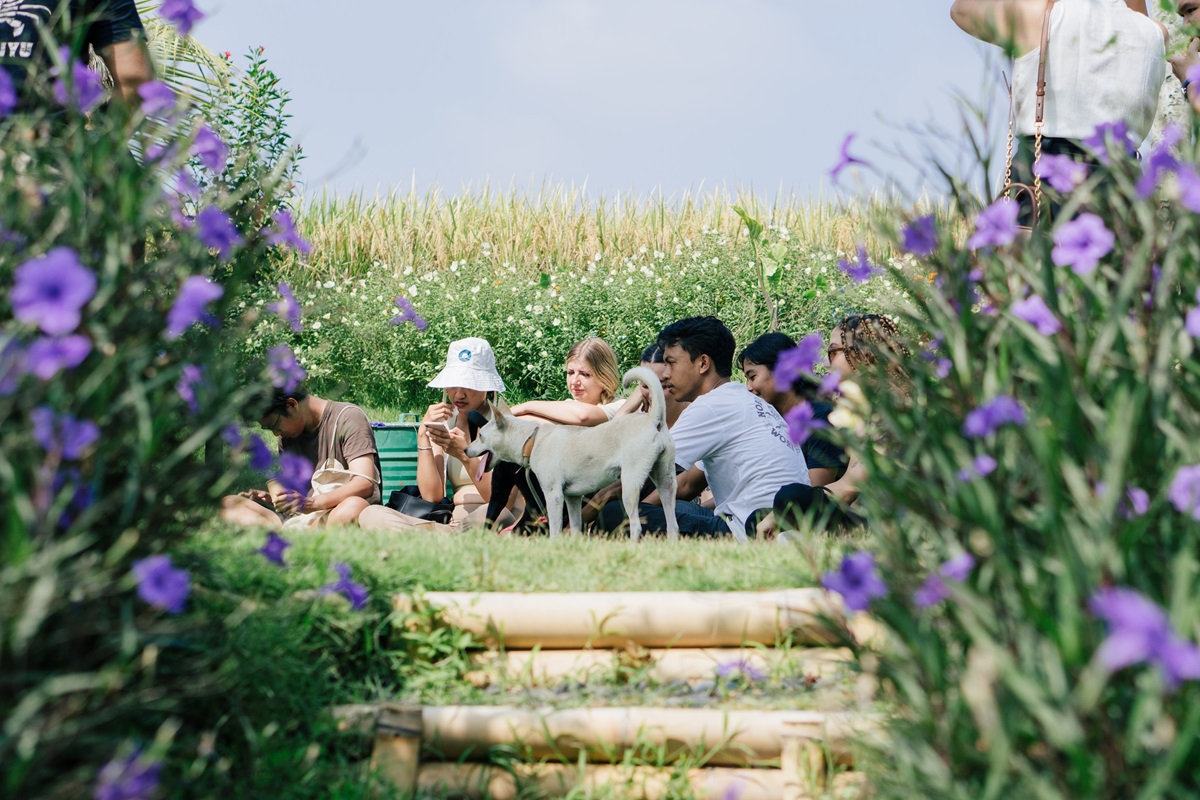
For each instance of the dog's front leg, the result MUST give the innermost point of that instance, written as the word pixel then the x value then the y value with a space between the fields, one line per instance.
pixel 575 514
pixel 554 509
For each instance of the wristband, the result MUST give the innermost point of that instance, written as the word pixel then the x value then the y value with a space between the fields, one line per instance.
pixel 1185 86
pixel 424 448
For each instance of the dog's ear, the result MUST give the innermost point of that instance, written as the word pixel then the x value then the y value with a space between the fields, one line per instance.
pixel 502 407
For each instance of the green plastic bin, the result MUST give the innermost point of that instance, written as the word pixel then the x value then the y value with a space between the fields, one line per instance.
pixel 397 444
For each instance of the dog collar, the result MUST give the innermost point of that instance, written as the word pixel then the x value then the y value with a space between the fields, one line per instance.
pixel 527 450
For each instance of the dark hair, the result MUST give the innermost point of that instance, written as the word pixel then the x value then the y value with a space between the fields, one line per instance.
pixel 699 336
pixel 273 402
pixel 652 355
pixel 865 335
pixel 765 350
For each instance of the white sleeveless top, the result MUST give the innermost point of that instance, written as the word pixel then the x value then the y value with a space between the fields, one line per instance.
pixel 1107 64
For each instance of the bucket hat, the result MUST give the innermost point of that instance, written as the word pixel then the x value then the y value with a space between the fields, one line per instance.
pixel 470 364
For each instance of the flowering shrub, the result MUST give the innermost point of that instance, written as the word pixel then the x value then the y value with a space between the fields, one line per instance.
pixel 1034 496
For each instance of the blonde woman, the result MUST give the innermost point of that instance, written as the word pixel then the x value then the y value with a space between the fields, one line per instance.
pixel 593 381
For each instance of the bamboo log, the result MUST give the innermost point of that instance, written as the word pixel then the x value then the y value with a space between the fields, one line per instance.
pixel 726 738
pixel 663 666
pixel 487 782
pixel 397 753
pixel 649 619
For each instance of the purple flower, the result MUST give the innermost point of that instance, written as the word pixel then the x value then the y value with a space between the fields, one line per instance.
pixel 1184 492
pixel 1062 172
pixel 996 225
pixel 801 423
pixel 982 466
pixel 934 590
pixel 283 369
pixel 211 151
pixel 273 550
pixel 295 472
pixel 62 434
pixel 860 271
pixel 1161 161
pixel 942 367
pixel 1138 502
pixel 1187 184
pixel 129 778
pixel 1081 243
pixel 8 93
pixel 216 231
pixel 50 291
pixel 740 669
pixel 1034 311
pixel 287 308
pixel 856 581
pixel 191 305
pixel 183 14
pixel 160 584
pixel 261 457
pixel 992 415
pixel 1191 322
pixel 186 184
pixel 920 236
pixel 1140 633
pixel 1106 137
pixel 157 97
pixel 799 360
pixel 831 382
pixel 356 593
pixel 49 355
pixel 83 91
pixel 231 435
pixel 190 378
pixel 284 234
pixel 408 314
pixel 81 498
pixel 845 159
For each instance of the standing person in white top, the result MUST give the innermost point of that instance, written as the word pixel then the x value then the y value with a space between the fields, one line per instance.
pixel 1106 64
pixel 727 438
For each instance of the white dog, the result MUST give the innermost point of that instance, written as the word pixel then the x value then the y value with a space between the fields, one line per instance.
pixel 571 461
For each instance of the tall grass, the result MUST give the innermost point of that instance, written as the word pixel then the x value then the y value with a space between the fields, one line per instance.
pixel 557 226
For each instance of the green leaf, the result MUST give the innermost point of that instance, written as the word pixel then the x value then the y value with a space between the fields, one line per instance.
pixel 544 281
pixel 755 227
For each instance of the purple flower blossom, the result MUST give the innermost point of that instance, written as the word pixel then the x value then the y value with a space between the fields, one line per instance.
pixel 408 314
pixel 284 234
pixel 856 581
pixel 50 291
pixel 1107 137
pixel 356 593
pixel 211 151
pixel 1062 172
pixel 831 382
pixel 129 778
pixel 860 271
pixel 1140 633
pixel 799 360
pixel 1034 311
pixel 801 423
pixel 982 466
pixel 996 225
pixel 160 584
pixel 1184 492
pixel 273 550
pixel 845 159
pixel 183 14
pixel 295 472
pixel 62 434
pixel 920 237
pixel 190 379
pixel 83 90
pixel 1138 502
pixel 1191 323
pixel 934 590
pixel 283 369
pixel 992 415
pixel 231 435
pixel 8 94
pixel 216 231
pixel 1161 161
pixel 740 669
pixel 49 355
pixel 186 185
pixel 1187 186
pixel 191 305
pixel 261 457
pixel 81 499
pixel 157 97
pixel 1081 243
pixel 942 367
pixel 287 308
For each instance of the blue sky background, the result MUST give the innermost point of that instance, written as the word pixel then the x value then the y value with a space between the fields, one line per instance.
pixel 622 95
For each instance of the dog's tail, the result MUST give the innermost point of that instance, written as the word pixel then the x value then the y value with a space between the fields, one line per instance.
pixel 658 402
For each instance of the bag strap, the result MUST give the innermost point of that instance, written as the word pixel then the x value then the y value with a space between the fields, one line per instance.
pixel 1039 111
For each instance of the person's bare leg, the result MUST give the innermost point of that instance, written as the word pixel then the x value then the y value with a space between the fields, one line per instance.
pixel 239 510
pixel 347 511
pixel 382 518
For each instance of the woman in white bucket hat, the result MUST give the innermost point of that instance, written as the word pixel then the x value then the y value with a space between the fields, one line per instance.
pixel 468 380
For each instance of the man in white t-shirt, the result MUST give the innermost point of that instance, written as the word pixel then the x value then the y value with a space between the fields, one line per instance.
pixel 728 439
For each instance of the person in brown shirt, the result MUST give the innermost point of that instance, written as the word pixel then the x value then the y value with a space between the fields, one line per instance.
pixel 337 439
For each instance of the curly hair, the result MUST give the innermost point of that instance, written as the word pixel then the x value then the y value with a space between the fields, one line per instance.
pixel 865 335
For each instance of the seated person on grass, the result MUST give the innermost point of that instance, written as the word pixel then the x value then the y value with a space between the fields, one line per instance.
pixel 727 438
pixel 337 439
pixel 593 381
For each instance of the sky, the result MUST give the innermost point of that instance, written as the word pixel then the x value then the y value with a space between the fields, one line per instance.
pixel 643 96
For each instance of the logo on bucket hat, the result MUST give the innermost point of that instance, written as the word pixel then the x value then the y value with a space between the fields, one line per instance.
pixel 464 356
